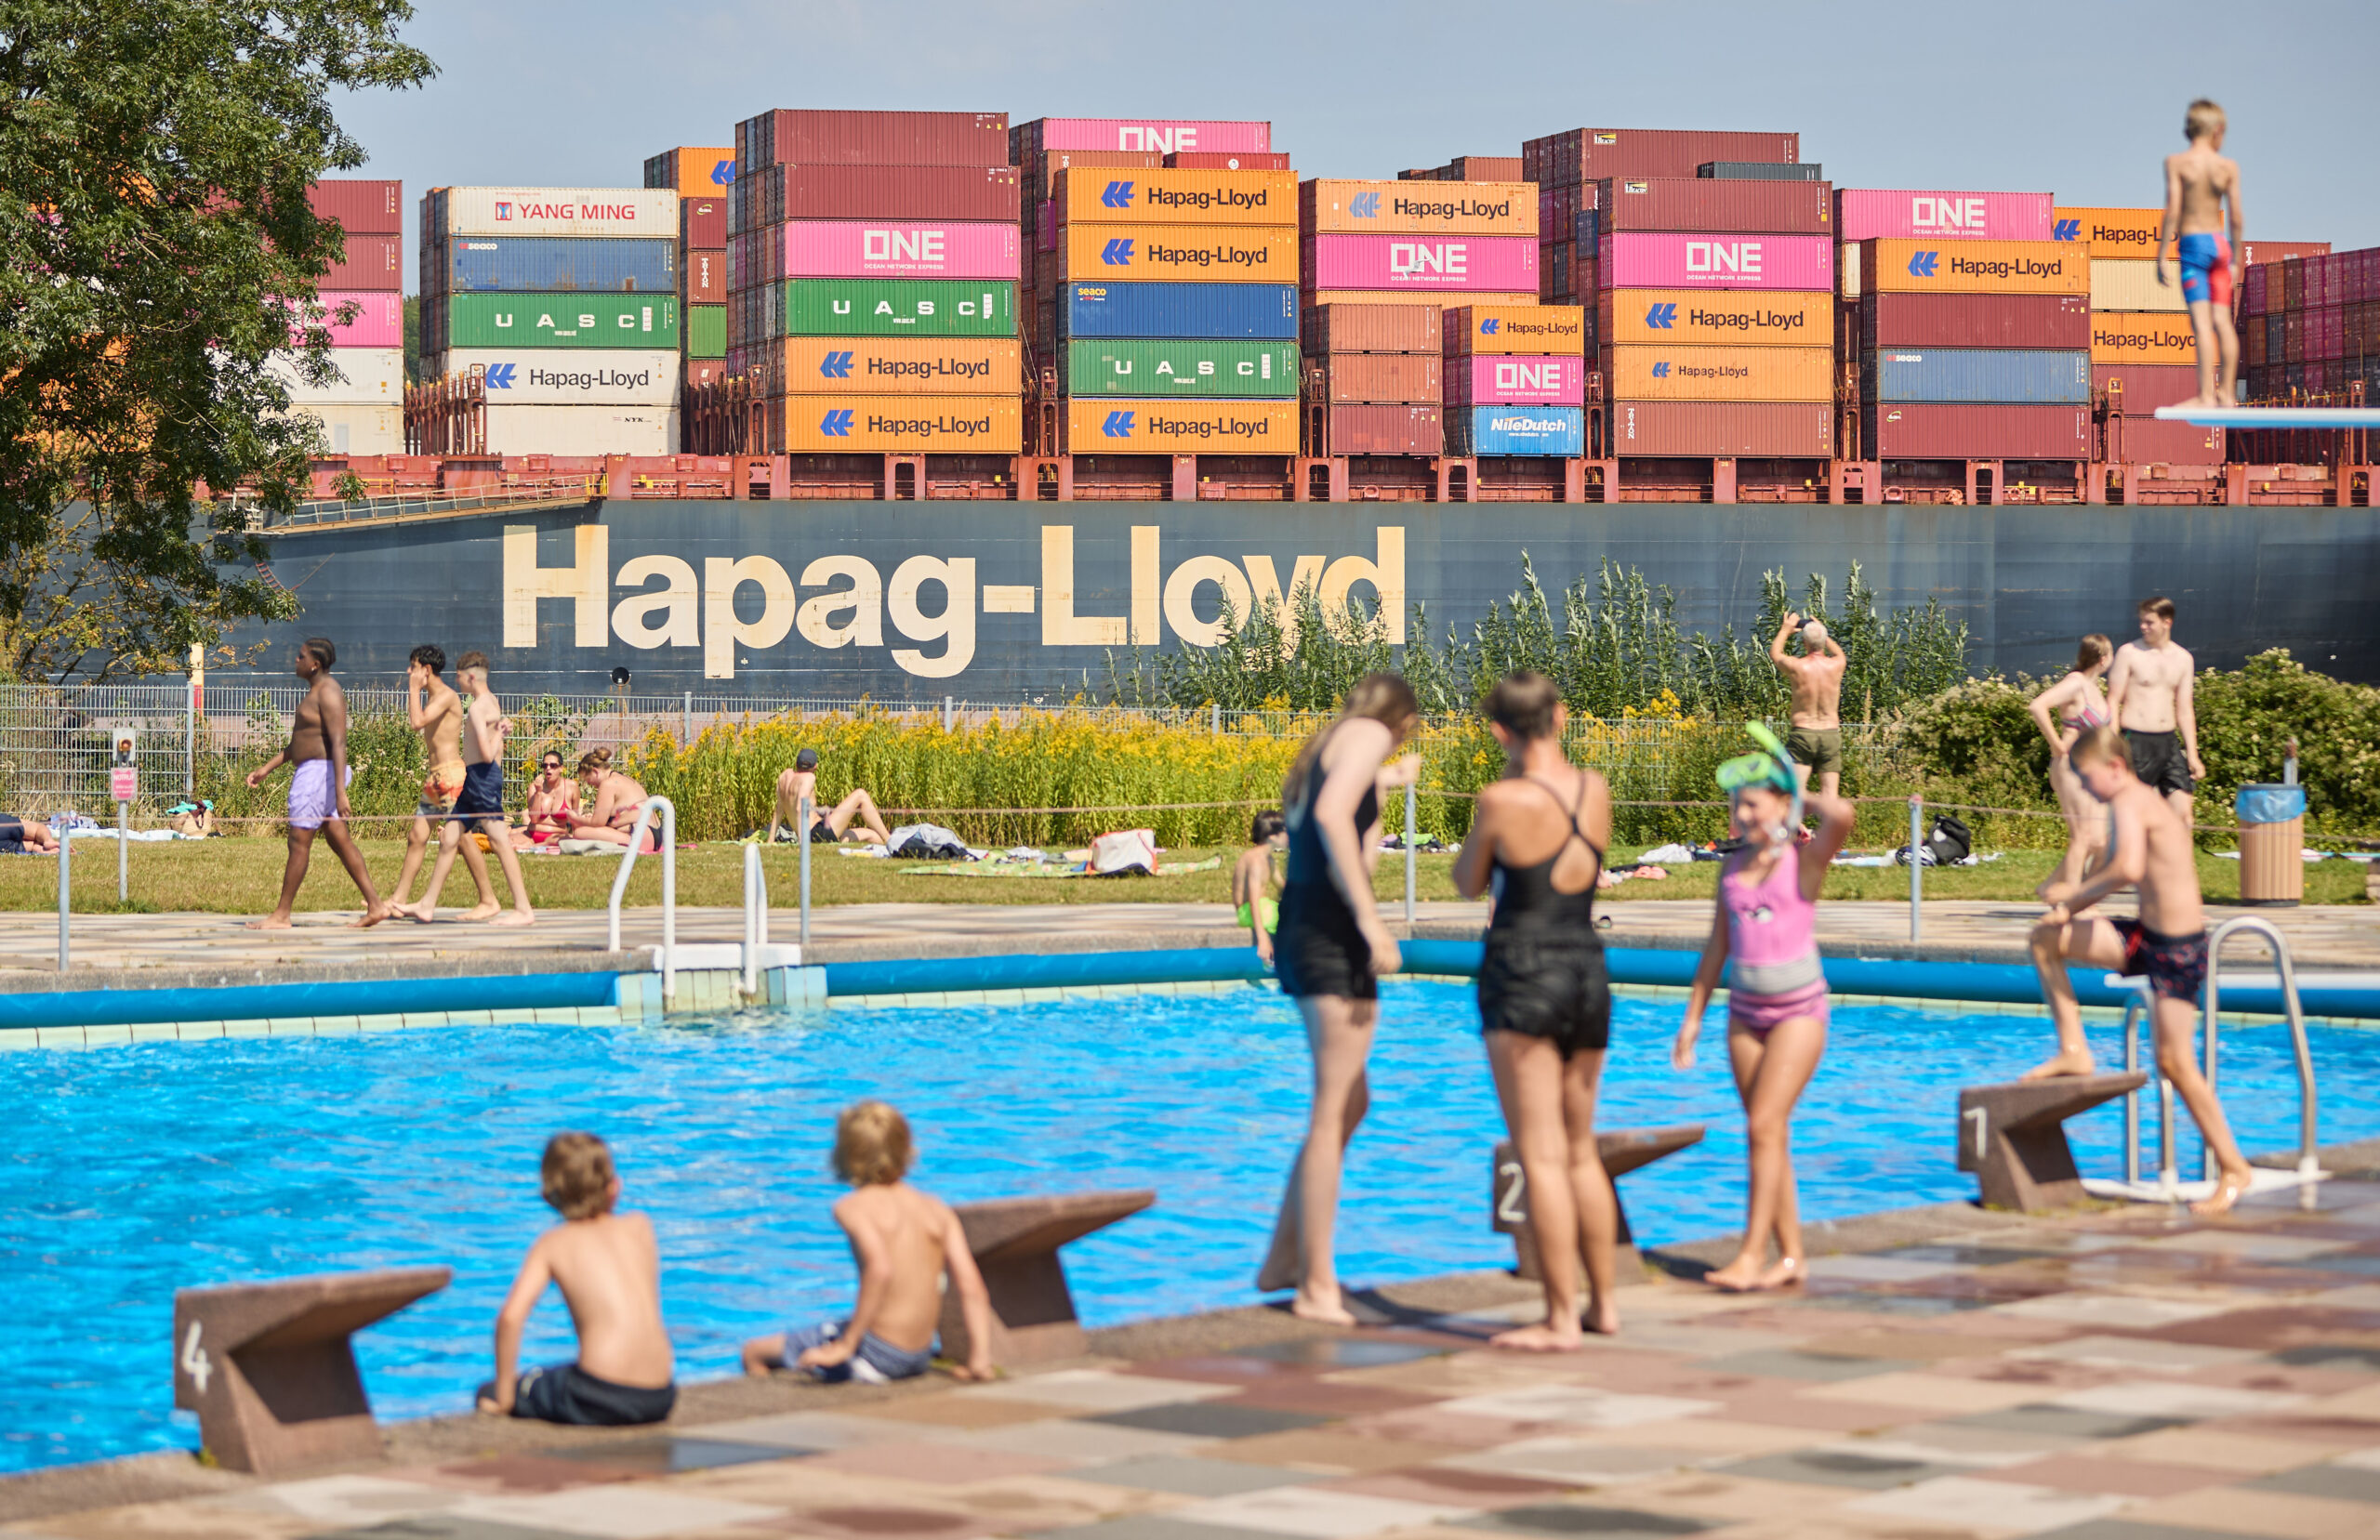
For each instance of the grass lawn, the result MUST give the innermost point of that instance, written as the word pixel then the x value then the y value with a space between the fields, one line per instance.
pixel 242 875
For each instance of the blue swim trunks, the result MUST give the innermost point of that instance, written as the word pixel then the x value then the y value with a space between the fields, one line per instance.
pixel 877 1362
pixel 2206 269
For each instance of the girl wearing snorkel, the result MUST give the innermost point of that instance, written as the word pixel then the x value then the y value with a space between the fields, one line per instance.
pixel 1764 935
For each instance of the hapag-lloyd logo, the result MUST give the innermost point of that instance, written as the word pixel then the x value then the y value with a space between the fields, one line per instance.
pixel 1222 254
pixel 1429 258
pixel 1158 427
pixel 656 599
pixel 2018 267
pixel 1458 208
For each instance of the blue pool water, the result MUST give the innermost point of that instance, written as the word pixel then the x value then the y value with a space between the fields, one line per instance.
pixel 135 1171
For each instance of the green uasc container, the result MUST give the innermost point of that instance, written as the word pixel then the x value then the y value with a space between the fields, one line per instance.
pixel 898 307
pixel 1151 370
pixel 559 321
pixel 705 331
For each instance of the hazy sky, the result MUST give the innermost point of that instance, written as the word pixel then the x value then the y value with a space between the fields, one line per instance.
pixel 2080 97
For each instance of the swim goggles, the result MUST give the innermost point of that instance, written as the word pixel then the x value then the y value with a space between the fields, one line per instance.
pixel 1771 767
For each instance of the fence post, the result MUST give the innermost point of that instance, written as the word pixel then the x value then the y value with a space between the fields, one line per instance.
pixel 123 856
pixel 686 723
pixel 1916 871
pixel 65 897
pixel 190 739
pixel 949 715
pixel 1215 718
pixel 1411 834
pixel 804 838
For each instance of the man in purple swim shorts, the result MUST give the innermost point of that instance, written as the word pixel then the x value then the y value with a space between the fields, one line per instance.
pixel 317 753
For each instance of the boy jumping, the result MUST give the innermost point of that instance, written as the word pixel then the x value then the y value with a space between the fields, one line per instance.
pixel 2198 182
pixel 608 1267
pixel 904 1242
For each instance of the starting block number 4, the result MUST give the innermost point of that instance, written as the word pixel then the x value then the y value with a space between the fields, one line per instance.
pixel 194 1362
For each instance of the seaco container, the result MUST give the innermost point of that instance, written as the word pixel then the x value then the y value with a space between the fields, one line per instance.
pixel 1179 368
pixel 1382 379
pixel 554 321
pixel 542 264
pixel 2109 232
pixel 1103 425
pixel 1517 379
pixel 1653 260
pixel 826 136
pixel 1972 267
pixel 2036 377
pixel 1514 329
pixel 1782 318
pixel 1151 135
pixel 548 211
pixel 363 376
pixel 1498 264
pixel 693 171
pixel 376 317
pixel 2118 284
pixel 1418 208
pixel 1696 203
pixel 863 424
pixel 1092 196
pixel 1180 254
pixel 1937 431
pixel 1257 312
pixel 1372 329
pixel 1790 430
pixel 1391 429
pixel 812 192
pixel 839 248
pixel 1516 430
pixel 360 207
pixel 705 331
pixel 371 262
pixel 540 376
pixel 1663 372
pixel 897 365
pixel 907 307
pixel 2145 336
pixel 1975 321
pixel 1868 214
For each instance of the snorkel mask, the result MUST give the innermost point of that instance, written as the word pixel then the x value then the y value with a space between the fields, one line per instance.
pixel 1771 767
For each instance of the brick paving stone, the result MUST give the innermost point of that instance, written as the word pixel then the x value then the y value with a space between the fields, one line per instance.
pixel 1345 1450
pixel 1571 1521
pixel 2092 1473
pixel 2344 1482
pixel 1189 1476
pixel 2278 1513
pixel 1988 1503
pixel 1838 1466
pixel 1215 1419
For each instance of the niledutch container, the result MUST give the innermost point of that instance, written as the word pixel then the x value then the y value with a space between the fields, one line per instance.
pixel 1868 214
pixel 360 207
pixel 839 248
pixel 907 307
pixel 903 365
pixel 365 376
pixel 1410 430
pixel 1373 329
pixel 2110 232
pixel 1557 430
pixel 560 264
pixel 1502 264
pixel 863 423
pixel 2150 338
pixel 705 331
pixel 557 320
pixel 1655 259
pixel 1257 312
pixel 1781 318
pixel 1418 208
pixel 1153 135
pixel 1787 430
pixel 549 211
pixel 1639 372
pixel 1699 203
pixel 541 376
pixel 1180 254
pixel 1161 197
pixel 1939 431
pixel 1517 379
pixel 1975 321
pixel 377 318
pixel 2118 284
pixel 1176 368
pixel 1972 267
pixel 1981 374
pixel 1514 329
pixel 527 429
pixel 1104 425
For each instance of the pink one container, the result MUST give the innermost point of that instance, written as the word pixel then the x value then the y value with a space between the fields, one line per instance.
pixel 1664 259
pixel 889 248
pixel 1153 135
pixel 1897 213
pixel 1475 264
pixel 379 318
pixel 1517 379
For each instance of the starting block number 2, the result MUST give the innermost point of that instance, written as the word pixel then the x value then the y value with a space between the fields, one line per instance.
pixel 1512 1195
pixel 194 1362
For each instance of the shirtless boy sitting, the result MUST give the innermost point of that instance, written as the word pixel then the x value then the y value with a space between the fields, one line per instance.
pixel 904 1242
pixel 2151 702
pixel 608 1267
pixel 2152 853
pixel 1816 742
pixel 2198 182
pixel 827 825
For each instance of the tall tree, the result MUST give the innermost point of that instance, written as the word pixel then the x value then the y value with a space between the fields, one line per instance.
pixel 156 251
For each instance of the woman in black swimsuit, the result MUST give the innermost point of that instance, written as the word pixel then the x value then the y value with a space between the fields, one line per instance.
pixel 1544 997
pixel 1329 951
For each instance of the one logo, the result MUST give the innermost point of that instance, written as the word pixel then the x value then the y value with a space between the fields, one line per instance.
pixel 1487 327
pixel 1660 371
pixel 723 173
pixel 2067 229
pixel 836 366
pixel 1662 317
pixel 500 376
pixel 837 424
pixel 1118 195
pixel 1363 205
pixel 1117 253
pixel 1922 263
pixel 1118 425
pixel 504 211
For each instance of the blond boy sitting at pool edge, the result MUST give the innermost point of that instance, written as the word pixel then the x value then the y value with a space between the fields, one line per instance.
pixel 904 1241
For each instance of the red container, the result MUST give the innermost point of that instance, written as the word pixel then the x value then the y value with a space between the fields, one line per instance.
pixel 1385 430
pixel 2326 332
pixel 948 192
pixel 2147 386
pixel 1382 379
pixel 1586 154
pixel 2145 441
pixel 1224 160
pixel 1944 432
pixel 1469 168
pixel 360 207
pixel 704 371
pixel 373 262
pixel 1373 329
pixel 802 136
pixel 1790 431
pixel 1041 170
pixel 1694 203
pixel 702 277
pixel 1975 321
pixel 703 222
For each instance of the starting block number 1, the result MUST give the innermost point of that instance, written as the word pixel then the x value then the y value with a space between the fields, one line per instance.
pixel 194 1362
pixel 1980 1117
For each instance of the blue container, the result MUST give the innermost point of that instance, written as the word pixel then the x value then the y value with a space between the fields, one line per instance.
pixel 1200 312
pixel 2032 377
pixel 560 264
pixel 1516 430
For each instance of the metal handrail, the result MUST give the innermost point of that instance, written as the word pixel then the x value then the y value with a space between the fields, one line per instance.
pixel 2309 1165
pixel 669 886
pixel 756 918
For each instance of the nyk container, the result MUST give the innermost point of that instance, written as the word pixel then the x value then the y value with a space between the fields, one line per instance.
pixel 705 331
pixel 1373 329
pixel 554 321
pixel 1402 430
pixel 365 377
pixel 2110 232
pixel 1197 197
pixel 1502 264
pixel 1510 379
pixel 692 171
pixel 1761 171
pixel 1418 208
pixel 1695 203
pixel 2008 375
pixel 1382 379
pixel 548 211
pixel 1558 431
pixel 1179 368
pixel 515 428
pixel 2120 286
pixel 1972 267
pixel 377 318
pixel 1780 317
pixel 1661 260
pixel 863 423
pixel 1262 312
pixel 888 306
pixel 776 194
pixel 543 264
pixel 371 262
pixel 1949 432
pixel 1975 321
pixel 1665 372
pixel 1153 136
pixel 833 249
pixel 362 207
pixel 1868 214
pixel 1108 426
pixel 1790 430
pixel 1180 254
pixel 830 134
pixel 1514 329
pixel 539 376
pixel 2145 338
pixel 1585 154
pixel 903 365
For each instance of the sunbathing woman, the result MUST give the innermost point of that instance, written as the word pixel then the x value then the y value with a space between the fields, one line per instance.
pixel 551 796
pixel 617 799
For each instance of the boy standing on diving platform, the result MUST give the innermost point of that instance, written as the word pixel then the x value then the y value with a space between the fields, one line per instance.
pixel 2198 183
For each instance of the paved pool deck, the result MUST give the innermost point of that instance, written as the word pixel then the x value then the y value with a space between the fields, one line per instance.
pixel 1948 1373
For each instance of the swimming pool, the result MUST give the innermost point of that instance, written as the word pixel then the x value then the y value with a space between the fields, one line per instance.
pixel 134 1171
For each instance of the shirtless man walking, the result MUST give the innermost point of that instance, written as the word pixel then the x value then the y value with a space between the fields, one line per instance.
pixel 827 825
pixel 1816 742
pixel 2198 182
pixel 317 753
pixel 2151 851
pixel 479 809
pixel 2151 701
pixel 436 713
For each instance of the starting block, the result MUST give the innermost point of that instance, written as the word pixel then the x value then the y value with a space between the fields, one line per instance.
pixel 1015 1242
pixel 2013 1137
pixel 1623 1149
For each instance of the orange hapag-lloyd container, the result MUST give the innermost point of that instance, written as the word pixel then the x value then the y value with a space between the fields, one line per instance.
pixel 1973 267
pixel 2109 232
pixel 1109 195
pixel 1668 372
pixel 1515 329
pixel 1768 318
pixel 898 365
pixel 1329 206
pixel 865 424
pixel 693 171
pixel 1180 254
pixel 1182 427
pixel 2138 336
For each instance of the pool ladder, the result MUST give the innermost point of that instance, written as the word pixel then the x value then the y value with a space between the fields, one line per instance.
pixel 668 886
pixel 2141 1006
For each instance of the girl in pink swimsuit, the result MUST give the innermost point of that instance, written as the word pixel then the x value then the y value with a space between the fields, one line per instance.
pixel 1762 933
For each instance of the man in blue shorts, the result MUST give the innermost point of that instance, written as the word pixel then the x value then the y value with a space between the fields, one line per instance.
pixel 2199 183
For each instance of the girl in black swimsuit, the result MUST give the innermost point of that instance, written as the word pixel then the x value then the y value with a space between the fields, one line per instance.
pixel 1329 951
pixel 1545 997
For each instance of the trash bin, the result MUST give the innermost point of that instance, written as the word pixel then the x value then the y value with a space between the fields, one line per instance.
pixel 2272 844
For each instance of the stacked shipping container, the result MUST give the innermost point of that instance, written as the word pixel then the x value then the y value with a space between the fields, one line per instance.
pixel 1376 377
pixel 363 411
pixel 1565 166
pixel 872 268
pixel 2312 323
pixel 701 177
pixel 1515 379
pixel 565 302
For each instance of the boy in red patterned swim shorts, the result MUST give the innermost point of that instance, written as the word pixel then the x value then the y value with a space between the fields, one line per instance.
pixel 2198 183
